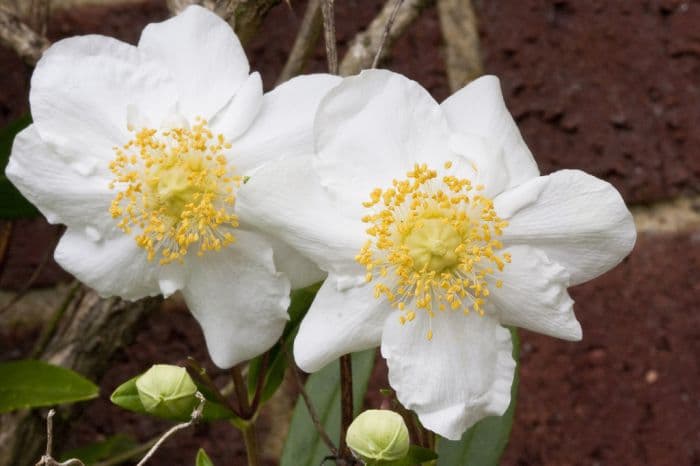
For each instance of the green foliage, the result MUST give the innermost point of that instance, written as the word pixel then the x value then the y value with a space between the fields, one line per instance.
pixel 30 384
pixel 102 450
pixel 484 443
pixel 303 446
pixel 126 396
pixel 203 459
pixel 13 204
pixel 276 361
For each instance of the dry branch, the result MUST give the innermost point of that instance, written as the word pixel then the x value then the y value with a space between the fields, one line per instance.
pixel 328 12
pixel 305 42
pixel 367 43
pixel 90 332
pixel 17 35
pixel 461 34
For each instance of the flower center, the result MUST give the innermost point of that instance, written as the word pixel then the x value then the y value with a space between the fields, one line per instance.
pixel 176 189
pixel 432 244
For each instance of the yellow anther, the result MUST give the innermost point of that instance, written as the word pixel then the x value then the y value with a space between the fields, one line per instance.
pixel 432 243
pixel 175 188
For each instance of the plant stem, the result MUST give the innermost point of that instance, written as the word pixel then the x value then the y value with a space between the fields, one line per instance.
pixel 239 387
pixel 309 405
pixel 260 383
pixel 346 407
pixel 251 444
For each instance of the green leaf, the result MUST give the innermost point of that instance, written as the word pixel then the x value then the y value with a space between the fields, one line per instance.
pixel 416 455
pixel 203 459
pixel 277 362
pixel 13 204
pixel 30 384
pixel 484 443
pixel 127 396
pixel 303 446
pixel 102 450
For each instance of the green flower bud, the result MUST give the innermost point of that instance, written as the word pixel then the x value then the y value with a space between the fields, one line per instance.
pixel 378 435
pixel 167 391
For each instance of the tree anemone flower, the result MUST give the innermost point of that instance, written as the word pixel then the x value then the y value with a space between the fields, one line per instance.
pixel 436 230
pixel 141 151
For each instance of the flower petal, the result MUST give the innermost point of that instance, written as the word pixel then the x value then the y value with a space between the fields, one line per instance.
pixel 479 162
pixel 61 193
pixel 534 296
pixel 371 129
pixel 286 199
pixel 239 113
pixel 459 377
pixel 479 109
pixel 300 271
pixel 203 55
pixel 238 298
pixel 341 320
pixel 112 266
pixel 80 92
pixel 578 220
pixel 284 126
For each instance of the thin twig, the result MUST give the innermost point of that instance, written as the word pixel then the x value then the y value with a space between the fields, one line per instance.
pixel 199 373
pixel 346 403
pixel 309 405
pixel 364 47
pixel 17 35
pixel 305 42
pixel 327 9
pixel 47 459
pixel 196 416
pixel 387 29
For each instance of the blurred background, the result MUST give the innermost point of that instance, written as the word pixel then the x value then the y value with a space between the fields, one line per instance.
pixel 609 87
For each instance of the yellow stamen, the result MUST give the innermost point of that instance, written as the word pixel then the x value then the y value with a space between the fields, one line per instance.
pixel 432 240
pixel 175 188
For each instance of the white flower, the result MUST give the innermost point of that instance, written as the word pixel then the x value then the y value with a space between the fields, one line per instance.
pixel 436 229
pixel 141 153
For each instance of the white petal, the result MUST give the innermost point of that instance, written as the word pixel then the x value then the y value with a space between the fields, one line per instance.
pixel 534 296
pixel 578 220
pixel 285 199
pixel 171 278
pixel 459 377
pixel 204 57
pixel 371 129
pixel 300 271
pixel 240 112
pixel 238 298
pixel 284 126
pixel 480 162
pixel 81 91
pixel 60 192
pixel 341 320
pixel 112 266
pixel 479 109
